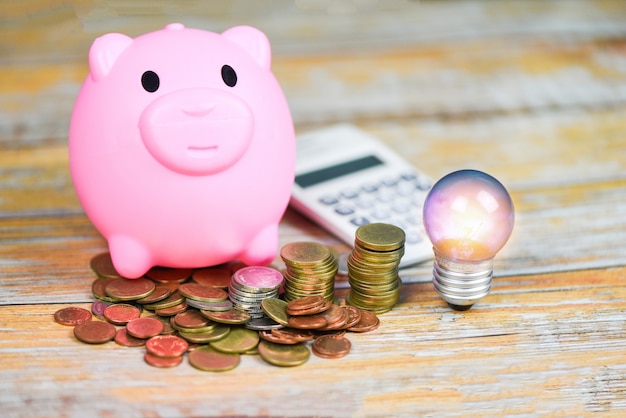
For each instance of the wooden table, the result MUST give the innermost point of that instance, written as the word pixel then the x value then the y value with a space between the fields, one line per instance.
pixel 533 93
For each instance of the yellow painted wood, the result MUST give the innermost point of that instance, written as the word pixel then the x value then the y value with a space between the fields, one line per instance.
pixel 531 92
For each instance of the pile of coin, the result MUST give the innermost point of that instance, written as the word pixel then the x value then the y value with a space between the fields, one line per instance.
pixel 373 267
pixel 310 270
pixel 249 286
pixel 214 339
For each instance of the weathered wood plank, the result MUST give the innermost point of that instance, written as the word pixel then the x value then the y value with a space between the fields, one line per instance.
pixel 426 359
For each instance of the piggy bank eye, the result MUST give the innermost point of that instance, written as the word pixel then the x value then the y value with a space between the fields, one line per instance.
pixel 229 76
pixel 150 81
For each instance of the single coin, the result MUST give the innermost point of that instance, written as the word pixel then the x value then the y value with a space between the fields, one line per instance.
pixel 172 310
pixel 168 275
pixel 72 315
pixel 162 362
pixel 174 299
pixel 167 326
pixel 284 355
pixel 260 278
pixel 307 322
pixel 368 322
pixel 262 323
pixel 98 307
pixel 102 265
pixel 213 276
pixel 129 289
pixel 232 316
pixel 98 292
pixel 191 319
pixel 217 333
pixel 160 293
pixel 238 340
pixel 94 332
pixel 222 306
pixel 336 318
pixel 202 293
pixel 354 316
pixel 331 346
pixel 307 305
pixel 121 313
pixel 145 327
pixel 304 253
pixel 122 337
pixel 207 358
pixel 276 309
pixel 166 346
pixel 380 237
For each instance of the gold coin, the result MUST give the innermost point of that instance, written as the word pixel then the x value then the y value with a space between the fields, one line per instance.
pixel 172 300
pixel 217 333
pixel 97 290
pixel 284 355
pixel 160 293
pixel 231 317
pixel 207 358
pixel 276 309
pixel 129 289
pixel 102 265
pixel 238 340
pixel 380 237
pixel 202 293
pixel 304 253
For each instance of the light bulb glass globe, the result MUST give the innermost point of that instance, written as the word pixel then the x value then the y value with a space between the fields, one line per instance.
pixel 468 216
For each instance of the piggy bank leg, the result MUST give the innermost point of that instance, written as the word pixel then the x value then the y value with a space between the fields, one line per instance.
pixel 262 249
pixel 130 258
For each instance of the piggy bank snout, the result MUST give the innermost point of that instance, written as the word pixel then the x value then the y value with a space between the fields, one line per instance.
pixel 197 131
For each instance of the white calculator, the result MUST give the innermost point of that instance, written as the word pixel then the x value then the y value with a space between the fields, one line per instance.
pixel 346 178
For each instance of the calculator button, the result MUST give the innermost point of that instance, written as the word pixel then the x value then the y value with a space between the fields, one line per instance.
pixel 380 214
pixel 328 200
pixel 401 207
pixel 344 210
pixel 349 193
pixel 389 182
pixel 359 221
pixel 409 176
pixel 413 237
pixel 365 202
pixel 369 187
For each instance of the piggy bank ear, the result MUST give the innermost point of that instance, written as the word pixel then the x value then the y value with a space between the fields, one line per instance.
pixel 104 52
pixel 252 41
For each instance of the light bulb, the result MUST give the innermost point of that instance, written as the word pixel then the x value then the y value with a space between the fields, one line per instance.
pixel 468 216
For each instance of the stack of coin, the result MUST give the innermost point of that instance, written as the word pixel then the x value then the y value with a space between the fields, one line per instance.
pixel 373 267
pixel 310 270
pixel 249 286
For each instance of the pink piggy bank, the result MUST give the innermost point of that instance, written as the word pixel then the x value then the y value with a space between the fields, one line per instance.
pixel 182 149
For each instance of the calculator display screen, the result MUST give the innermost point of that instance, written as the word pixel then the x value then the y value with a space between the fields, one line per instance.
pixel 328 173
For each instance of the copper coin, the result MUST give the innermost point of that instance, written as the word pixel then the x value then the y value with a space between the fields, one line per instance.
pixel 307 322
pixel 300 335
pixel 94 332
pixel 276 338
pixel 166 346
pixel 208 359
pixel 102 265
pixel 232 317
pixel 144 327
pixel 202 293
pixel 168 275
pixel 331 346
pixel 121 313
pixel 72 316
pixel 129 289
pixel 307 305
pixel 98 307
pixel 336 318
pixel 174 299
pixel 368 322
pixel 122 337
pixel 191 319
pixel 167 326
pixel 162 362
pixel 354 316
pixel 160 293
pixel 172 310
pixel 213 276
pixel 98 292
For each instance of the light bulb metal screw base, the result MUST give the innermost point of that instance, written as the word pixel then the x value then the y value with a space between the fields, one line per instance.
pixel 462 283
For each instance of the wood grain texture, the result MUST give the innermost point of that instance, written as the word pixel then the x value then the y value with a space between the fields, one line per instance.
pixel 533 93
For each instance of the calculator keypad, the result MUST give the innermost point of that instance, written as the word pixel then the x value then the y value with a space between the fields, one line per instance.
pixel 394 200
